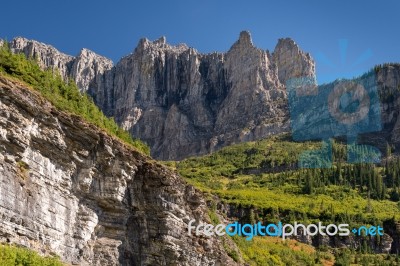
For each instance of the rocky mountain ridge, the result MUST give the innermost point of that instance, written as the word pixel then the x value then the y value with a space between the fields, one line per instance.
pixel 69 189
pixel 84 68
pixel 182 102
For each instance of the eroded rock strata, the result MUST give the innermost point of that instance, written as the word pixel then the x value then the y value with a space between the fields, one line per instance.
pixel 68 188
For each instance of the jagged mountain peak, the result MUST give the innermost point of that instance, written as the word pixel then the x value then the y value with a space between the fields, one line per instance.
pixel 286 41
pixel 39 50
pixel 162 40
pixel 245 38
pixel 85 68
pixel 89 53
pixel 182 102
pixel 292 61
pixel 288 44
pixel 145 45
pixel 22 41
pixel 244 42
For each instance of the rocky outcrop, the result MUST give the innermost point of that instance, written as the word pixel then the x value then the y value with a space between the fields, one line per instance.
pixel 291 61
pixel 86 67
pixel 182 102
pixel 68 188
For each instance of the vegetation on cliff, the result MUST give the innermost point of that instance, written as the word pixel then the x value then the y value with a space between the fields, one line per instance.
pixel 65 95
pixel 12 255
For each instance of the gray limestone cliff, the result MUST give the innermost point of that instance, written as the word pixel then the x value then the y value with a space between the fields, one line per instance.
pixel 69 189
pixel 291 61
pixel 182 102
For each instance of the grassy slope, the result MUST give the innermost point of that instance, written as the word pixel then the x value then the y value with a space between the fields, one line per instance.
pixel 220 173
pixel 64 95
pixel 280 193
pixel 273 251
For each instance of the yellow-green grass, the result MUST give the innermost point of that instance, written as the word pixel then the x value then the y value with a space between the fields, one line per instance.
pixel 274 251
pixel 18 256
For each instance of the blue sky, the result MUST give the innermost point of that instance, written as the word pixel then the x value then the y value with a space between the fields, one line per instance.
pixel 345 37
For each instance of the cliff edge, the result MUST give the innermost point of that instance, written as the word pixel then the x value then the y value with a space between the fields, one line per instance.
pixel 68 188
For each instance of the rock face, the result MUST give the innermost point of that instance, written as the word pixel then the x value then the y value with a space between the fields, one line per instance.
pixel 291 61
pixel 67 188
pixel 182 102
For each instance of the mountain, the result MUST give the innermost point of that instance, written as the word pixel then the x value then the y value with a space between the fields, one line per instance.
pixel 182 102
pixel 68 188
pixel 85 68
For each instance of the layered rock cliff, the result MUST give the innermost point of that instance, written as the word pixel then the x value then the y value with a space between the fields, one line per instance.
pixel 68 188
pixel 182 102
